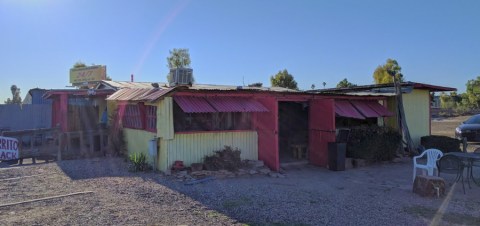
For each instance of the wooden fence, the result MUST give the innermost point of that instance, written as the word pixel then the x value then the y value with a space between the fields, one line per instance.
pixel 49 144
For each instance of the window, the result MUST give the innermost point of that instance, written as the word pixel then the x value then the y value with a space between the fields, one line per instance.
pixel 151 118
pixel 132 117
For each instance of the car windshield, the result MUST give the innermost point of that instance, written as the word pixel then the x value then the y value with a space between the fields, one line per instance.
pixel 473 120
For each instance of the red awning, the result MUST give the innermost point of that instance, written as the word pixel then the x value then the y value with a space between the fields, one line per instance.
pixel 380 109
pixel 365 109
pixel 345 109
pixel 194 104
pixel 236 104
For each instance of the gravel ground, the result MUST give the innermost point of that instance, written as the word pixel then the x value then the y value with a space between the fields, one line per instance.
pixel 373 195
pixel 308 195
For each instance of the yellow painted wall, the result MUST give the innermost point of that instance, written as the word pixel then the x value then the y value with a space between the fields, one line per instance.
pixel 165 119
pixel 137 140
pixel 392 107
pixel 193 147
pixel 417 113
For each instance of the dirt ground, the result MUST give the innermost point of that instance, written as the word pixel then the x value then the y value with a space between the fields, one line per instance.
pixel 446 127
pixel 374 195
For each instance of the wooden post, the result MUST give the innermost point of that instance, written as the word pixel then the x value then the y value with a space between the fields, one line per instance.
pixel 60 141
pixel 401 117
pixel 91 140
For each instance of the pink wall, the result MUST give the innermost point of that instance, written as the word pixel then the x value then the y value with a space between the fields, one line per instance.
pixel 266 124
pixel 321 130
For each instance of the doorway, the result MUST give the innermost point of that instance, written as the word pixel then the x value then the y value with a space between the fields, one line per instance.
pixel 293 131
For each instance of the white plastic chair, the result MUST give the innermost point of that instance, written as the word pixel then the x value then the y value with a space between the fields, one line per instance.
pixel 432 156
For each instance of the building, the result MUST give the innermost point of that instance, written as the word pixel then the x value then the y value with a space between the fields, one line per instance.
pixel 416 102
pixel 188 122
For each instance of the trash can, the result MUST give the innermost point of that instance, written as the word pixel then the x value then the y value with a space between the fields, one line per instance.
pixel 336 156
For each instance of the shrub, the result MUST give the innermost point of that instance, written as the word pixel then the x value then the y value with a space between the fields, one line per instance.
pixel 226 159
pixel 138 162
pixel 442 143
pixel 373 143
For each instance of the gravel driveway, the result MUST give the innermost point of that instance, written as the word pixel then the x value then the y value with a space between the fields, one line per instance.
pixel 374 195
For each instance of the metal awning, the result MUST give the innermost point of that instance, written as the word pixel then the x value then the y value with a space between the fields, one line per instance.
pixel 194 104
pixel 236 104
pixel 365 109
pixel 190 104
pixel 380 109
pixel 345 109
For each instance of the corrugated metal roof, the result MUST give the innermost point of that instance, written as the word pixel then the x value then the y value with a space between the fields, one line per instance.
pixel 236 104
pixel 388 87
pixel 194 104
pixel 148 85
pixel 128 94
pixel 227 87
pixel 345 109
pixel 365 94
pixel 132 85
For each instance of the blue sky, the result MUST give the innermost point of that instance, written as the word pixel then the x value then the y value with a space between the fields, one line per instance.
pixel 239 42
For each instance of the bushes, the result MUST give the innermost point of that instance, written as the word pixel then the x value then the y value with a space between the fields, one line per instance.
pixel 228 159
pixel 138 162
pixel 442 143
pixel 373 143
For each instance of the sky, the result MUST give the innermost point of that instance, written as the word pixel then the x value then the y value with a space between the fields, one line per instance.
pixel 239 42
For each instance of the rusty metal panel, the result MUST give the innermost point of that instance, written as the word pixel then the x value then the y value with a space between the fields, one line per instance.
pixel 193 147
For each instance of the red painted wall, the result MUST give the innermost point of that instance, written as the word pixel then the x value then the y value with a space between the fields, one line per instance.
pixel 321 130
pixel 56 120
pixel 64 112
pixel 266 125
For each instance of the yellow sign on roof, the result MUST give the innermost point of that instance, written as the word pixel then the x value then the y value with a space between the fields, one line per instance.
pixel 88 74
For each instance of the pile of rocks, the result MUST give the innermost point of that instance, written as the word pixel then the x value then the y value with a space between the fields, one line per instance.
pixel 249 168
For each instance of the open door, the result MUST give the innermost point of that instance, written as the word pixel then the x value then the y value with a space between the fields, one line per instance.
pixel 321 130
pixel 266 124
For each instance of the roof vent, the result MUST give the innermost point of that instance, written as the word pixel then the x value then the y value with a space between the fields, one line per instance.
pixel 180 76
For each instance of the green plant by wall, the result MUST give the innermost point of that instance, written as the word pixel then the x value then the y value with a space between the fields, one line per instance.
pixel 373 143
pixel 442 143
pixel 138 162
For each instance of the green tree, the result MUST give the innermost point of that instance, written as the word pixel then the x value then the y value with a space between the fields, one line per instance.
pixel 16 99
pixel 473 92
pixel 384 73
pixel 179 58
pixel 283 79
pixel 345 84
pixel 447 101
pixel 256 84
pixel 79 64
